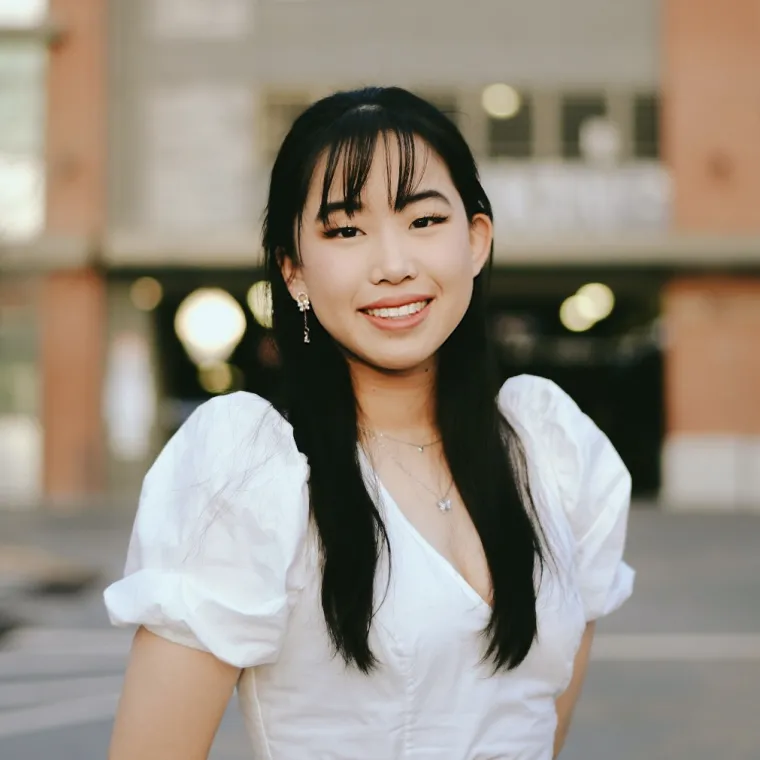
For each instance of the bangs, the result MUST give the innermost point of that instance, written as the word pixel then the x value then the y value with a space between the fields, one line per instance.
pixel 349 154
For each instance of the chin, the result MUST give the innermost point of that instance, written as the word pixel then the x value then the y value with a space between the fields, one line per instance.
pixel 400 362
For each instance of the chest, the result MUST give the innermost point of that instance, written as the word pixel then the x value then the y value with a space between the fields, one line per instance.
pixel 427 632
pixel 432 511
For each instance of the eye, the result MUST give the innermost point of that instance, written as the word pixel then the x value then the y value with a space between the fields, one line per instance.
pixel 428 221
pixel 344 233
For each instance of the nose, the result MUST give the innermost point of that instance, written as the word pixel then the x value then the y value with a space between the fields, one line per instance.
pixel 393 260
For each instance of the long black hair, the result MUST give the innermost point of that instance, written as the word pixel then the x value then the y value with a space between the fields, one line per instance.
pixel 483 451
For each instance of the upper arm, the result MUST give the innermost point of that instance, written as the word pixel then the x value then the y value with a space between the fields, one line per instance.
pixel 173 700
pixel 566 702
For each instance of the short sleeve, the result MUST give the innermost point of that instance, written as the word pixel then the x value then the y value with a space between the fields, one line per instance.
pixel 215 560
pixel 593 483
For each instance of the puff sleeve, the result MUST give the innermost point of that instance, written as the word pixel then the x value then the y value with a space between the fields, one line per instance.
pixel 594 487
pixel 215 560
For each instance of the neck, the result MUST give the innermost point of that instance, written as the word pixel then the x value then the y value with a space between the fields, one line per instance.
pixel 397 403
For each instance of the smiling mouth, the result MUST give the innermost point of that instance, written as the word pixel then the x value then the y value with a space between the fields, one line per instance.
pixel 398 312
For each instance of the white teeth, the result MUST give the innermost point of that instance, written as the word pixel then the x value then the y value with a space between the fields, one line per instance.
pixel 398 311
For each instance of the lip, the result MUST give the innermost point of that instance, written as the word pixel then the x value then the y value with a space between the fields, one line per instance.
pixel 395 302
pixel 399 323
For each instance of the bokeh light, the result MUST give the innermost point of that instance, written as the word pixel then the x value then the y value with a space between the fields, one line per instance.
pixel 501 101
pixel 210 324
pixel 146 293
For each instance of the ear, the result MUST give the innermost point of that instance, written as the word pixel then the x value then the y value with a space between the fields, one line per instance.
pixel 291 273
pixel 481 239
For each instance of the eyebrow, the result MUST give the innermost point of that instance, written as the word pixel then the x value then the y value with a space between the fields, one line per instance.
pixel 423 195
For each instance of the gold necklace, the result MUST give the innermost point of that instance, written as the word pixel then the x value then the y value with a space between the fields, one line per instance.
pixel 419 446
pixel 442 502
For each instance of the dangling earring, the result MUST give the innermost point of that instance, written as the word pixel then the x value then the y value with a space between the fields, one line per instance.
pixel 304 305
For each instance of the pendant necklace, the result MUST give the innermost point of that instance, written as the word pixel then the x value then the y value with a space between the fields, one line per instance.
pixel 442 502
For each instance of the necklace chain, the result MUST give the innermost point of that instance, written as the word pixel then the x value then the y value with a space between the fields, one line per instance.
pixel 419 446
pixel 442 502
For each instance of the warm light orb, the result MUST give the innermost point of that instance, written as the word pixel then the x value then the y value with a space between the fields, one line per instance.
pixel 599 300
pixel 209 324
pixel 573 316
pixel 501 101
pixel 591 304
pixel 146 293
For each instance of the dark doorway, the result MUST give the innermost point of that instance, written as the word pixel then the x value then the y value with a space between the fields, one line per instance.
pixel 613 370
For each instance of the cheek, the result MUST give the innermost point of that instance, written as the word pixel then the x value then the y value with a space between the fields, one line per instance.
pixel 332 281
pixel 459 295
pixel 452 263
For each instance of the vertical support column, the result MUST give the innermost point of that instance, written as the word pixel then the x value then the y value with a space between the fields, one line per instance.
pixel 73 322
pixel 712 451
pixel 711 115
pixel 73 302
pixel 620 111
pixel 547 129
pixel 710 130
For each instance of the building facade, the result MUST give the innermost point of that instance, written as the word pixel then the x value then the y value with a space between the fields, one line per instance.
pixel 617 143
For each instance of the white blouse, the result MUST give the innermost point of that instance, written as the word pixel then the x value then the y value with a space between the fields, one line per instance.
pixel 223 558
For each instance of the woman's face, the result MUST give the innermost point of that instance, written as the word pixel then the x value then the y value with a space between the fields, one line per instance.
pixel 391 286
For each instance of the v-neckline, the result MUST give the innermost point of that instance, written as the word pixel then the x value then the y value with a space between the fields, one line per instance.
pixel 388 499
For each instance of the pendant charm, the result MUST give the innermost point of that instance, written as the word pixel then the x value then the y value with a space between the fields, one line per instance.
pixel 421 449
pixel 444 505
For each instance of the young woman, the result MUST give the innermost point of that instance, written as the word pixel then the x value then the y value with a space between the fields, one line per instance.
pixel 404 561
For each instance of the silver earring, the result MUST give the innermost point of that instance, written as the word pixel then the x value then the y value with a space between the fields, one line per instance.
pixel 304 305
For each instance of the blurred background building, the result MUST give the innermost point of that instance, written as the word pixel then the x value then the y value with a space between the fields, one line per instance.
pixel 618 142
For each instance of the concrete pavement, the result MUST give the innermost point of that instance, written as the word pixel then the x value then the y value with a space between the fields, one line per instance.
pixel 676 673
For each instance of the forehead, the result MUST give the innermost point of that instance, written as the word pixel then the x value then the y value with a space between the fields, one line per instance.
pixel 390 166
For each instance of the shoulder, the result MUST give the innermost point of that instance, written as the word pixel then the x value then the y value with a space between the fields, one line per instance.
pixel 562 439
pixel 226 437
pixel 590 480
pixel 229 479
pixel 240 420
pixel 525 396
pixel 215 560
pixel 233 464
pixel 545 416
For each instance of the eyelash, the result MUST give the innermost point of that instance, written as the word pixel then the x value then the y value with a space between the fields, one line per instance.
pixel 432 219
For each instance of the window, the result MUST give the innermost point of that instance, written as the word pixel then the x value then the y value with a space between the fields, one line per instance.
pixel 646 126
pixel 576 110
pixel 23 65
pixel 22 13
pixel 512 137
pixel 24 39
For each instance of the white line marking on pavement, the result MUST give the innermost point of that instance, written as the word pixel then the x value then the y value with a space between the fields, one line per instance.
pixel 679 647
pixel 71 641
pixel 14 695
pixel 27 664
pixel 73 712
